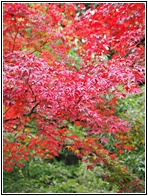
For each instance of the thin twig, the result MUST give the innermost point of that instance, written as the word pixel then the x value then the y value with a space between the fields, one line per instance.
pixel 15 39
pixel 40 47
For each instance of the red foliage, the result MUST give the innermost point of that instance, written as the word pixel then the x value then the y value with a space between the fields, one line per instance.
pixel 42 84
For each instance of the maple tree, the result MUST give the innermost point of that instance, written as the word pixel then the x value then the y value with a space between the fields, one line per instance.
pixel 64 67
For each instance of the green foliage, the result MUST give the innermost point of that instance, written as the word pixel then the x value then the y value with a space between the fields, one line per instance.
pixel 76 130
pixel 42 176
pixel 133 104
pixel 72 54
pixel 131 109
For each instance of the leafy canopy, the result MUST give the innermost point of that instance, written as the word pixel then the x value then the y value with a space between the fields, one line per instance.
pixel 65 67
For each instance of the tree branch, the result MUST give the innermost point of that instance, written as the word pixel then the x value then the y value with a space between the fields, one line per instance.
pixel 80 98
pixel 15 39
pixel 27 114
pixel 39 46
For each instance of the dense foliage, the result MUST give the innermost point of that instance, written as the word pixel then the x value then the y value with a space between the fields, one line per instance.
pixel 69 175
pixel 42 177
pixel 67 68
